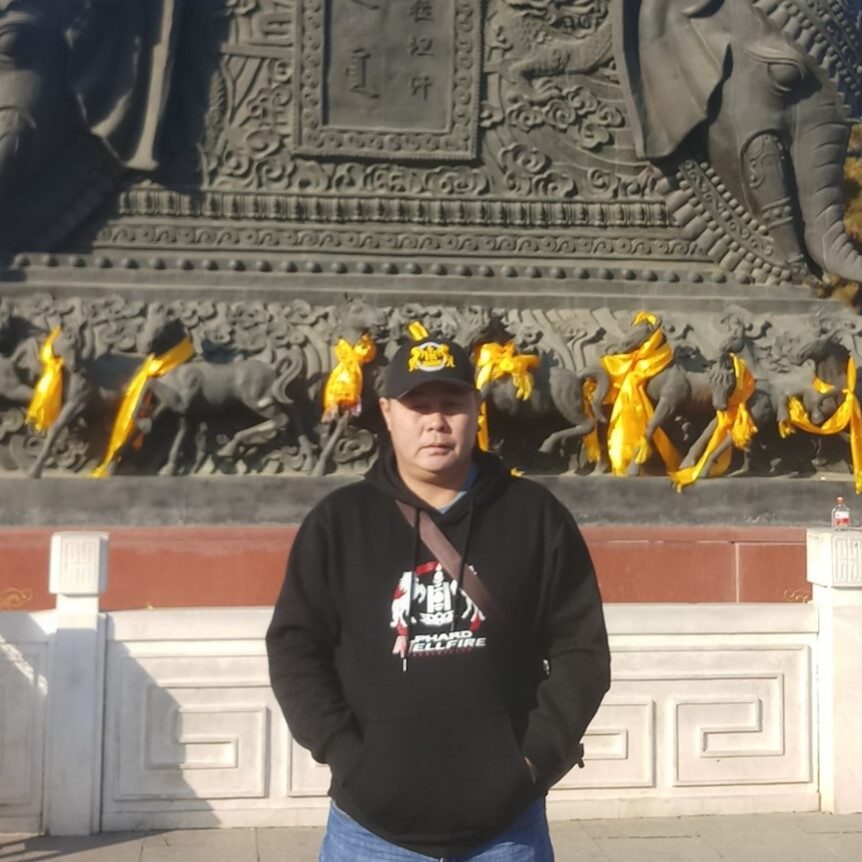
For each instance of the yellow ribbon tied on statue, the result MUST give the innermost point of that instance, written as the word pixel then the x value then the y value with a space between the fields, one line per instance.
pixel 734 422
pixel 417 330
pixel 494 362
pixel 343 390
pixel 125 426
pixel 848 415
pixel 632 410
pixel 47 400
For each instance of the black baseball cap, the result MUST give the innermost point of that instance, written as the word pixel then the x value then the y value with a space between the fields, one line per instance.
pixel 429 360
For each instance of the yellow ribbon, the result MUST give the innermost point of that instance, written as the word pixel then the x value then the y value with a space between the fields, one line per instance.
pixel 417 330
pixel 632 410
pixel 124 422
pixel 735 422
pixel 47 400
pixel 493 362
pixel 343 390
pixel 848 413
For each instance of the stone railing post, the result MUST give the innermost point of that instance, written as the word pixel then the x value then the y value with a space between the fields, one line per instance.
pixel 835 570
pixel 78 575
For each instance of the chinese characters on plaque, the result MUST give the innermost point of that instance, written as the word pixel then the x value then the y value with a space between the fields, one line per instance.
pixel 379 77
pixel 383 70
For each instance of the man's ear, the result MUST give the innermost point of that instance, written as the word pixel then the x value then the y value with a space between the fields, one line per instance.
pixel 385 407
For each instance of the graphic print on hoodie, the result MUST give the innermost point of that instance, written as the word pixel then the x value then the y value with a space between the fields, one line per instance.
pixel 433 616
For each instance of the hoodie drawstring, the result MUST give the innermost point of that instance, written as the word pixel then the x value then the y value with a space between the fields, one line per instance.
pixel 461 563
pixel 413 567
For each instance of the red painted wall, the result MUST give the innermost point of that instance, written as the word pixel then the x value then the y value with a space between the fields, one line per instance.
pixel 172 567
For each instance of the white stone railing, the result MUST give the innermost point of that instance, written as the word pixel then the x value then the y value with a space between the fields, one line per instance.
pixel 713 709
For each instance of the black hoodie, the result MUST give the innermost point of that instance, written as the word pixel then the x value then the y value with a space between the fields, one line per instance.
pixel 432 758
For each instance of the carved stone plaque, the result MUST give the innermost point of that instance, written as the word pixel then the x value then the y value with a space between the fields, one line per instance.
pixel 377 77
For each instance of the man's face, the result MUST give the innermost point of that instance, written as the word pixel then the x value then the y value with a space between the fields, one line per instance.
pixel 433 430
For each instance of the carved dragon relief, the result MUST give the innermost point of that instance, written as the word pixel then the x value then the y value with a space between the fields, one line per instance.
pixel 554 117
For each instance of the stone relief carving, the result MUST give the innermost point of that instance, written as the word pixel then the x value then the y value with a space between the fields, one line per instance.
pixel 375 78
pixel 247 398
pixel 515 127
pixel 722 80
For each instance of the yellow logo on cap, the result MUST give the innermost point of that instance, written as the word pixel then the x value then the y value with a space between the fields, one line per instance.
pixel 430 356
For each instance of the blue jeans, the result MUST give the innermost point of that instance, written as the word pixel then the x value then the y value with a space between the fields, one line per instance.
pixel 526 840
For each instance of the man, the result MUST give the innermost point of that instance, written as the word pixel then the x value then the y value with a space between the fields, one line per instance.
pixel 445 704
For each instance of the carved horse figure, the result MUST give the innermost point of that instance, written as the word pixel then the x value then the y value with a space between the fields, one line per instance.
pixel 200 389
pixel 724 382
pixel 674 391
pixel 768 403
pixel 570 396
pixel 95 382
pixel 557 390
pixel 12 388
pixel 91 383
pixel 830 359
pixel 352 319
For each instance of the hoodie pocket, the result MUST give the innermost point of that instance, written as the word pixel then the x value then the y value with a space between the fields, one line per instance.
pixel 442 773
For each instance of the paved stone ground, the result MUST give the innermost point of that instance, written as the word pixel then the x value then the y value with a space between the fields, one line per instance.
pixel 739 838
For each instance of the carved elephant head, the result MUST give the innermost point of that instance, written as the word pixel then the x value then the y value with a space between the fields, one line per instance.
pixel 719 79
pixel 71 66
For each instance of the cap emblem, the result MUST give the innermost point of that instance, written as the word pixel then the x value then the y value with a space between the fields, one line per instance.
pixel 430 356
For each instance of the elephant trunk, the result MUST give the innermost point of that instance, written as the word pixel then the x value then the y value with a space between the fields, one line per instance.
pixel 819 155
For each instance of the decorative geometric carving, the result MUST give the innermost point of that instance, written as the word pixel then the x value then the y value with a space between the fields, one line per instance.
pixel 79 563
pixel 390 239
pixel 351 207
pixel 22 700
pixel 834 558
pixel 190 727
pixel 720 227
pixel 373 79
pixel 619 747
pixel 724 716
pixel 225 744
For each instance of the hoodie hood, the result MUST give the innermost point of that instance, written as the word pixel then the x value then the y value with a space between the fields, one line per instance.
pixel 491 479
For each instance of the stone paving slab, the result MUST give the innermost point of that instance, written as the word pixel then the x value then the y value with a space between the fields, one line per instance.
pixel 298 844
pixel 235 845
pixel 827 822
pixel 847 846
pixel 578 843
pixel 683 848
pixel 776 838
pixel 112 847
pixel 730 838
pixel 644 827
